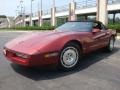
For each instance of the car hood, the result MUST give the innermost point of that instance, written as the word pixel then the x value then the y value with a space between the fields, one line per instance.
pixel 28 43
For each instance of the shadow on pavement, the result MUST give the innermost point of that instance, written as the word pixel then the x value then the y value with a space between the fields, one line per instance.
pixel 51 73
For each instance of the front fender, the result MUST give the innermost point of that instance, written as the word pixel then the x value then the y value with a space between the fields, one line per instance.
pixel 58 44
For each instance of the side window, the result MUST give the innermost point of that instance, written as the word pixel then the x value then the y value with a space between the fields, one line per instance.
pixel 97 25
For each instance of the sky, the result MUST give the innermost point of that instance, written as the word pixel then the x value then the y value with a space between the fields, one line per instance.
pixel 9 7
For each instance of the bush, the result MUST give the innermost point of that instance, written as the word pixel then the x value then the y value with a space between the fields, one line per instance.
pixel 115 26
pixel 35 28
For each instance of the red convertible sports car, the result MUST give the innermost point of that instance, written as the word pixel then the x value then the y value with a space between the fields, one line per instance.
pixel 63 47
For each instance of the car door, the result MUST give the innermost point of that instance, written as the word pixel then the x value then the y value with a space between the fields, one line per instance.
pixel 99 37
pixel 104 37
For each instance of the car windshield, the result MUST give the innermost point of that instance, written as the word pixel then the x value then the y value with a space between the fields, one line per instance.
pixel 76 26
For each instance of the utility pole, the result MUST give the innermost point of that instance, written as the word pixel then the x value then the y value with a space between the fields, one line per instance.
pixel 17 14
pixel 102 13
pixel 72 7
pixel 40 13
pixel 21 6
pixel 53 19
pixel 97 14
pixel 17 11
pixel 31 14
pixel 24 16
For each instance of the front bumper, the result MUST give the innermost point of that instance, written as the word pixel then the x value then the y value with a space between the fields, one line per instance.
pixel 11 56
pixel 33 60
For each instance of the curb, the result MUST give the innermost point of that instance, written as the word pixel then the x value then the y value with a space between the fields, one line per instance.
pixel 16 31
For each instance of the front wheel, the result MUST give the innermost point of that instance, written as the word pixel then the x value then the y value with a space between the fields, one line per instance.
pixel 70 56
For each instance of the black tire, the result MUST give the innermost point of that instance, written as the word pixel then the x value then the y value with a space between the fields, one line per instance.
pixel 65 59
pixel 110 47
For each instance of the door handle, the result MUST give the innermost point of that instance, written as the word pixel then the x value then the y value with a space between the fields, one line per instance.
pixel 107 33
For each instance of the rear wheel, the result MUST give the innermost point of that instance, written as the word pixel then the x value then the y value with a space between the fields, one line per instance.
pixel 110 47
pixel 70 56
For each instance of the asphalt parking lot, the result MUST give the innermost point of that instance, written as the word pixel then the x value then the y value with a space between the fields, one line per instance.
pixel 97 71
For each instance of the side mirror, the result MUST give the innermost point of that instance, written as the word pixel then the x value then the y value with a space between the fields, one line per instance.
pixel 95 31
